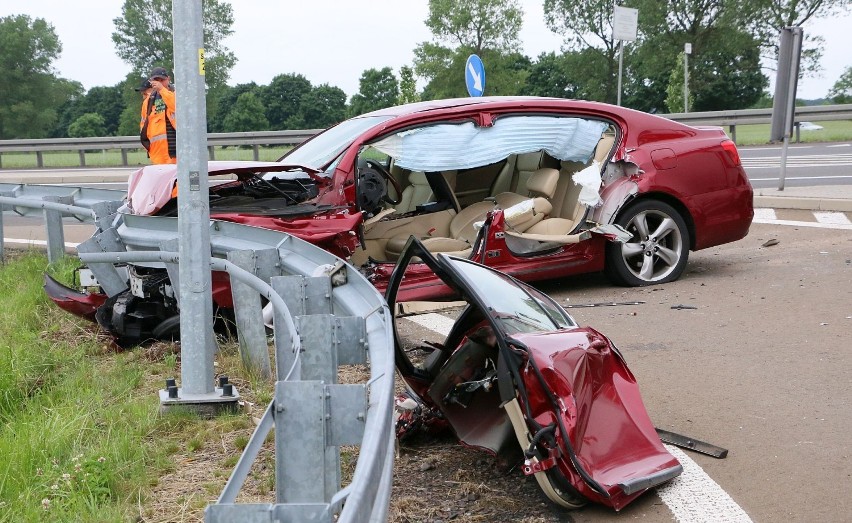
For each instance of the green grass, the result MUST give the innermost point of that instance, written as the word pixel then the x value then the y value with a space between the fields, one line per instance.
pixel 758 134
pixel 112 158
pixel 80 434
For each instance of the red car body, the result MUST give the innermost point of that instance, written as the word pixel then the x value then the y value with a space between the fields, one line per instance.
pixel 696 172
pixel 538 188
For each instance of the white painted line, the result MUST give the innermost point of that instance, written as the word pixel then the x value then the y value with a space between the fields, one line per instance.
pixel 832 217
pixel 816 225
pixel 694 497
pixel 839 145
pixel 436 322
pixel 838 177
pixel 33 243
pixel 765 214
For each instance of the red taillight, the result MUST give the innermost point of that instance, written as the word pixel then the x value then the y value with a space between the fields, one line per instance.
pixel 731 148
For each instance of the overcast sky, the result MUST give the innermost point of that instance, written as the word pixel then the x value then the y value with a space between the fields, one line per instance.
pixel 328 41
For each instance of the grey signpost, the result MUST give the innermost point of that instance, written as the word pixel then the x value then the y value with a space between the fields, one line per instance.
pixel 784 102
pixel 196 304
pixel 625 22
pixel 687 50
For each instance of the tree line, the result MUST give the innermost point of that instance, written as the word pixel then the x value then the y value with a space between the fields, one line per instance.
pixel 732 42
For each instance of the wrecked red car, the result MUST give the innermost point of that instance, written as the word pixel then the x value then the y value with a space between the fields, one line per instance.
pixel 517 377
pixel 538 188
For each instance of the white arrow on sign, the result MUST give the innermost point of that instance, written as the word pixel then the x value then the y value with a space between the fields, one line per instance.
pixel 477 80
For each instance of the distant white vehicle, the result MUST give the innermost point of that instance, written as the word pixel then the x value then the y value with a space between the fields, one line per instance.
pixel 809 126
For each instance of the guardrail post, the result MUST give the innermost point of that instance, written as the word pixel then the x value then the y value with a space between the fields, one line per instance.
pixel 110 280
pixel 124 157
pixel 39 159
pixel 256 150
pixel 210 152
pixel 82 153
pixel 733 130
pixel 53 228
pixel 2 247
pixel 248 313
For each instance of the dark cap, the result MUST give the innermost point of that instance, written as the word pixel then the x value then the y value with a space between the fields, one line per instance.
pixel 158 72
pixel 146 84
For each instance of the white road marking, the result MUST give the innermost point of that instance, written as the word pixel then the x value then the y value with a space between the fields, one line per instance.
pixel 831 217
pixel 765 214
pixel 693 497
pixel 33 243
pixel 840 145
pixel 838 177
pixel 816 225
pixel 435 322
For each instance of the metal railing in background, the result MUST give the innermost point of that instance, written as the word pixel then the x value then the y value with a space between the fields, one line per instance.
pixel 812 113
pixel 255 139
pixel 815 113
pixel 53 203
pixel 326 314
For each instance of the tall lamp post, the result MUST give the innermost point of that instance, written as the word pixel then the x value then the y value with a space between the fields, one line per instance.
pixel 687 50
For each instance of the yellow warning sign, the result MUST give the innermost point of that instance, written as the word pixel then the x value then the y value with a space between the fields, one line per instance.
pixel 201 61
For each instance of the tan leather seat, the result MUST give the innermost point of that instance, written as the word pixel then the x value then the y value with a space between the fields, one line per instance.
pixel 459 242
pixel 418 192
pixel 541 183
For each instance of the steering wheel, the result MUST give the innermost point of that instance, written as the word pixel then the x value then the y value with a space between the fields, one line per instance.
pixel 388 177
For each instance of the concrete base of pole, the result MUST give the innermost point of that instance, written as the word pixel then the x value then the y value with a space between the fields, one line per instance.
pixel 205 405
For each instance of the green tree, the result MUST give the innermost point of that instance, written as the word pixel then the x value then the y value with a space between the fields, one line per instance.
pixel 105 101
pixel 246 115
pixel 407 86
pixel 32 93
pixel 323 106
pixel 223 99
pixel 674 91
pixel 841 91
pixel 766 18
pixel 378 89
pixel 283 101
pixel 143 37
pixel 87 125
pixel 487 28
pixel 587 28
pixel 573 74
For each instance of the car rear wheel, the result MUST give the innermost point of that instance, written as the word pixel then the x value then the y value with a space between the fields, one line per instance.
pixel 658 250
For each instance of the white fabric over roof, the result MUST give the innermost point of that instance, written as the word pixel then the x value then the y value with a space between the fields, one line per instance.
pixel 444 147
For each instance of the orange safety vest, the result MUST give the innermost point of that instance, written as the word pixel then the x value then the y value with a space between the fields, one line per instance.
pixel 157 126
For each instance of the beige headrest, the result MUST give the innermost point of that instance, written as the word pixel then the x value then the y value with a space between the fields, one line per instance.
pixel 417 178
pixel 528 161
pixel 543 182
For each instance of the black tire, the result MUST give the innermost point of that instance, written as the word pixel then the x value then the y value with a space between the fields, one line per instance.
pixel 658 251
pixel 168 329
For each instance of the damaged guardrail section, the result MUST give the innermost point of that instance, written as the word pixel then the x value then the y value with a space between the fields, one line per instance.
pixel 326 314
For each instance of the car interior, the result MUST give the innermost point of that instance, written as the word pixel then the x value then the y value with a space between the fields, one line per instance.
pixel 445 209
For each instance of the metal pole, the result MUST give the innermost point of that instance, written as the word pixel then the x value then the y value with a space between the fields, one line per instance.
pixel 791 102
pixel 196 303
pixel 620 66
pixel 685 82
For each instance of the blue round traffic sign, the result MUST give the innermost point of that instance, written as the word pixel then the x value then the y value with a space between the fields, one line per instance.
pixel 474 76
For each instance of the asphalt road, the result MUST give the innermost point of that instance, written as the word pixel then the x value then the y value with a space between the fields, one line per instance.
pixel 761 367
pixel 807 164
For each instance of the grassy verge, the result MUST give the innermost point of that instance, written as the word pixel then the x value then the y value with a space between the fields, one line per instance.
pixel 758 134
pixel 112 158
pixel 80 433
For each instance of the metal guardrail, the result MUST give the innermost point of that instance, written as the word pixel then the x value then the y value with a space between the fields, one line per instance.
pixel 124 143
pixel 325 321
pixel 816 113
pixel 812 113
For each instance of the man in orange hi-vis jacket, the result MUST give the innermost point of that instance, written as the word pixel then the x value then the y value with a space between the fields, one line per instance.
pixel 157 125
